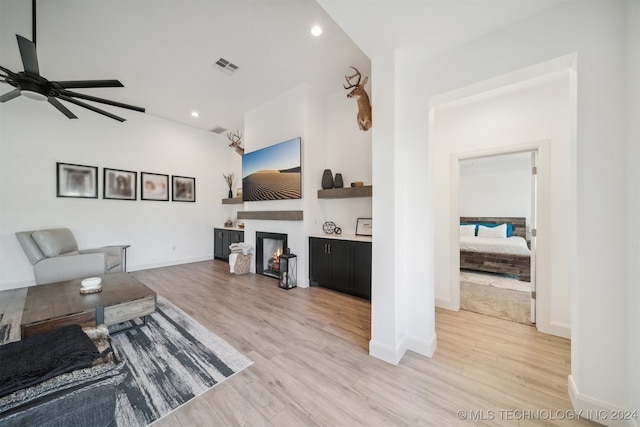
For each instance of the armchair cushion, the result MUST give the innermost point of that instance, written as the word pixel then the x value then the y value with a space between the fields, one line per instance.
pixel 55 241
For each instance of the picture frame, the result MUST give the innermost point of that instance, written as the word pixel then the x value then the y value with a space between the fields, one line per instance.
pixel 119 184
pixel 183 189
pixel 154 186
pixel 76 181
pixel 364 227
pixel 239 192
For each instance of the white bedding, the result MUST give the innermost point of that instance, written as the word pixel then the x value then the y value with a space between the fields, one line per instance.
pixel 513 245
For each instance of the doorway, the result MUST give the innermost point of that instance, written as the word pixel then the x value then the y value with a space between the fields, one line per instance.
pixel 497 265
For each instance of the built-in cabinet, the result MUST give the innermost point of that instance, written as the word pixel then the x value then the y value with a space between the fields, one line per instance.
pixel 341 265
pixel 222 238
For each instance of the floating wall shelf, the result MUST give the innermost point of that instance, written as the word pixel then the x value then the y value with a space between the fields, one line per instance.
pixel 233 201
pixel 343 193
pixel 271 215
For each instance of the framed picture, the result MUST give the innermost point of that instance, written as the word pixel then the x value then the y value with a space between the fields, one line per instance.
pixel 77 180
pixel 119 184
pixel 183 189
pixel 364 227
pixel 273 173
pixel 239 192
pixel 154 186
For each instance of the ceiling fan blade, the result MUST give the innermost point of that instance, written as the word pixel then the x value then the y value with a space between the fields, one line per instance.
pixel 101 100
pixel 64 110
pixel 92 108
pixel 10 95
pixel 73 84
pixel 8 71
pixel 29 56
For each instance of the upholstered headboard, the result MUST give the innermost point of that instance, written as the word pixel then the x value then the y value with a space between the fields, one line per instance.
pixel 519 223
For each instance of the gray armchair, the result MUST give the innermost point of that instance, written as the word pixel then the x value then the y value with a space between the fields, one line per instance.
pixel 55 256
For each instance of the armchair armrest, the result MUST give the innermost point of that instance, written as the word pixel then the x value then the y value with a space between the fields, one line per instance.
pixel 68 267
pixel 115 260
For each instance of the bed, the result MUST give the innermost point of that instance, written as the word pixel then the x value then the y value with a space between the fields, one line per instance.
pixel 502 255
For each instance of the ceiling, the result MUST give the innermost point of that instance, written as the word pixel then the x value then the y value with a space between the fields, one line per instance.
pixel 164 51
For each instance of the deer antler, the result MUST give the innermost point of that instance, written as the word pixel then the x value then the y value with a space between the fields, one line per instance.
pixel 348 78
pixel 235 138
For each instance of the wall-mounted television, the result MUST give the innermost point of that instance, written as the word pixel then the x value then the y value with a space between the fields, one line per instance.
pixel 273 173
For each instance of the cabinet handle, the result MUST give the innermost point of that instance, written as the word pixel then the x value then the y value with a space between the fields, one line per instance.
pixel 329 245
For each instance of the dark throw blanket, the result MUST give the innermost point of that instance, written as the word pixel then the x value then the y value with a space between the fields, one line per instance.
pixel 41 357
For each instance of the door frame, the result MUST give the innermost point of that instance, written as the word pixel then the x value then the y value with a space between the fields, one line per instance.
pixel 542 150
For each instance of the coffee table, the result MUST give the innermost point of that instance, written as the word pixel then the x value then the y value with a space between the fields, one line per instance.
pixel 51 306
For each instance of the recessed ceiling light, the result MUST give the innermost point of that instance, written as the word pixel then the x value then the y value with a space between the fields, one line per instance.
pixel 316 30
pixel 195 114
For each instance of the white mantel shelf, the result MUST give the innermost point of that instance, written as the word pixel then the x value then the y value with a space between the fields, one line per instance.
pixel 272 215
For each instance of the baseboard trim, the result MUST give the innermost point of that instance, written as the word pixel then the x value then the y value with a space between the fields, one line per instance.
pixel 596 409
pixel 393 355
pixel 447 304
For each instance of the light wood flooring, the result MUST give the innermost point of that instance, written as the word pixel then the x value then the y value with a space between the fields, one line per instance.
pixel 311 363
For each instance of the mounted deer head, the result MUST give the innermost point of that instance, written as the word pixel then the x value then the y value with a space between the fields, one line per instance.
pixel 358 92
pixel 235 138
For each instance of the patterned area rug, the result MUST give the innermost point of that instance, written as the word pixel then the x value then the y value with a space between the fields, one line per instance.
pixel 170 361
pixel 496 296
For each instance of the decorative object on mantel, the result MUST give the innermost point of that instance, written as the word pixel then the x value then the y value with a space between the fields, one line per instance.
pixel 338 231
pixel 357 184
pixel 235 138
pixel 288 270
pixel 229 180
pixel 358 92
pixel 364 227
pixel 338 181
pixel 329 227
pixel 228 223
pixel 327 179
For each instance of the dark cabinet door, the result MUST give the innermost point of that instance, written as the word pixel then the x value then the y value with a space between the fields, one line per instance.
pixel 319 262
pixel 218 243
pixel 361 269
pixel 339 265
pixel 222 239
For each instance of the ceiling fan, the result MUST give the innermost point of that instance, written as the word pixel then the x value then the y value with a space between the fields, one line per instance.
pixel 31 84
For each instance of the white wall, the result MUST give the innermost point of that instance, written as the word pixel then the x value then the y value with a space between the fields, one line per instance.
pixel 496 186
pixel 501 119
pixel 633 192
pixel 34 136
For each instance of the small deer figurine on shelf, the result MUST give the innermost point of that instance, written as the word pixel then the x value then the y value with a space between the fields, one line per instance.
pixel 358 92
pixel 235 138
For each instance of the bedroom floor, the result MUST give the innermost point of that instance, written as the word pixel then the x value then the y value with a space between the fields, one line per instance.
pixel 495 295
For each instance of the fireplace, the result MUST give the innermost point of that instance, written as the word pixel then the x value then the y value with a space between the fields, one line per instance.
pixel 269 246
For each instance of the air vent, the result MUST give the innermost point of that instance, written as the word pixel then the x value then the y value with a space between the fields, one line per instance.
pixel 226 66
pixel 218 129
